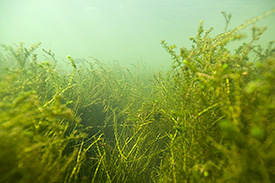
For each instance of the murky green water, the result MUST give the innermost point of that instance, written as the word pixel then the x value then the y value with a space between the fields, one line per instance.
pixel 126 31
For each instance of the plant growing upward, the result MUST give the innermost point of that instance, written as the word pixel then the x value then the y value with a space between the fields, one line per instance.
pixel 212 111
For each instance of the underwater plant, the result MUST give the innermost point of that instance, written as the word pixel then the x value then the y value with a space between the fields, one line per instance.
pixel 214 117
pixel 208 119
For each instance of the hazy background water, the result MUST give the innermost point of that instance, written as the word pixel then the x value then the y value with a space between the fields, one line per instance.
pixel 128 31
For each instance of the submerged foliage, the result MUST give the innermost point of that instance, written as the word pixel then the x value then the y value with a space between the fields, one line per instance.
pixel 209 119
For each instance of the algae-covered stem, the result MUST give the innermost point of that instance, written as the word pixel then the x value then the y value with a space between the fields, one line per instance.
pixel 69 84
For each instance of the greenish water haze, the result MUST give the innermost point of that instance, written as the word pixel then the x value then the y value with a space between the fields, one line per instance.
pixel 127 31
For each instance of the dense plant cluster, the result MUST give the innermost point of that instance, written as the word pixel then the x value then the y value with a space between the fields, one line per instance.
pixel 208 119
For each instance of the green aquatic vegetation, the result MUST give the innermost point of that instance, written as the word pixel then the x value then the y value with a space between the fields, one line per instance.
pixel 208 119
pixel 35 127
pixel 34 139
pixel 21 55
pixel 106 108
pixel 210 109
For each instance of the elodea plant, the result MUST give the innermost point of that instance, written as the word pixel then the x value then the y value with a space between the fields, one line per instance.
pixel 36 129
pixel 221 105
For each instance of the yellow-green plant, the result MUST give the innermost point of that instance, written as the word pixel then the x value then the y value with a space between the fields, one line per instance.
pixel 207 102
pixel 34 138
pixel 209 119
